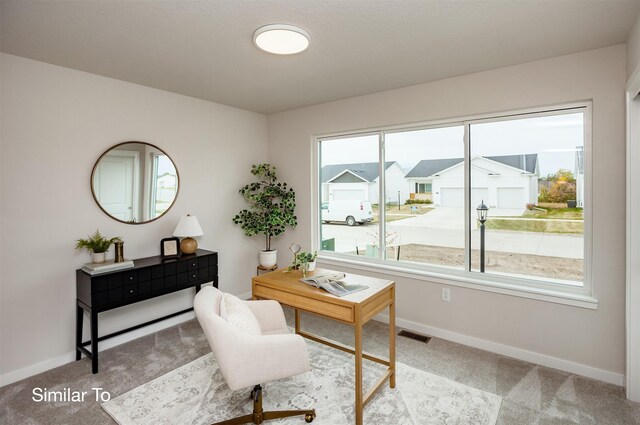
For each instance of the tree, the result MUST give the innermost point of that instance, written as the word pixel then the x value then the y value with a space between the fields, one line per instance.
pixel 272 205
pixel 558 187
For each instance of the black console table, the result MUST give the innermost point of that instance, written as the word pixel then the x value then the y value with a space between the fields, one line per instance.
pixel 149 278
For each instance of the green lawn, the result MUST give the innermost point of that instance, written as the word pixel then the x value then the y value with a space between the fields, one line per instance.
pixel 547 226
pixel 555 213
pixel 549 220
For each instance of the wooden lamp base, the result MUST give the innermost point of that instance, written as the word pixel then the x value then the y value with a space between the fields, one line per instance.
pixel 188 246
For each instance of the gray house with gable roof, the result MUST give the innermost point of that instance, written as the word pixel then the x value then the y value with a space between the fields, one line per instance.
pixel 360 181
pixel 508 181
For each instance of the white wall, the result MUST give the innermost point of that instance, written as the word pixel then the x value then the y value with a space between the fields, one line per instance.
pixel 633 48
pixel 589 340
pixel 395 182
pixel 55 123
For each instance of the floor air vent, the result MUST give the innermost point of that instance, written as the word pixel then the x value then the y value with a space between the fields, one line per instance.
pixel 417 337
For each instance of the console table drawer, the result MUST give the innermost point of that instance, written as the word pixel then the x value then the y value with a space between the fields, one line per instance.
pixel 170 269
pixel 130 291
pixel 144 275
pixel 157 284
pixel 144 287
pixel 192 264
pixel 130 277
pixel 115 294
pixel 170 281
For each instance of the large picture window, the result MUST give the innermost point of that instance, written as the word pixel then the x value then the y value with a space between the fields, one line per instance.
pixel 410 197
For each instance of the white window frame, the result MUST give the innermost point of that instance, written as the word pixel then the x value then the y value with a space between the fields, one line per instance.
pixel 544 289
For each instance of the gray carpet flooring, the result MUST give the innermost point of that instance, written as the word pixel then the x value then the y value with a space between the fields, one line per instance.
pixel 531 394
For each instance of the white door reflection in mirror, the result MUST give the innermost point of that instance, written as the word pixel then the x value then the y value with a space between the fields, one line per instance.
pixel 135 182
pixel 114 183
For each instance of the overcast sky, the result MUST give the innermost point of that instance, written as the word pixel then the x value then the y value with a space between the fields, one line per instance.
pixel 553 138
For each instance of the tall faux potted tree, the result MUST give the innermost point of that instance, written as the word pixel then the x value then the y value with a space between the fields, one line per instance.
pixel 271 210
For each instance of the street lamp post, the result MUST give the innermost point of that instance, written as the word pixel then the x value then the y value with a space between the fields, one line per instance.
pixel 482 217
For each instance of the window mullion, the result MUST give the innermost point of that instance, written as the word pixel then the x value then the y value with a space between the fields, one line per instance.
pixel 381 200
pixel 467 197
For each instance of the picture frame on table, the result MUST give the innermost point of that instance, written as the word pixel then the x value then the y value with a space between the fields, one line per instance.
pixel 170 248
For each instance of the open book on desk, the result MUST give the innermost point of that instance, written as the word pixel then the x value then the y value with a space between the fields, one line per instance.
pixel 333 283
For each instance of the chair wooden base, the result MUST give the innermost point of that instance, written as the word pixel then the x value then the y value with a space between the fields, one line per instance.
pixel 258 416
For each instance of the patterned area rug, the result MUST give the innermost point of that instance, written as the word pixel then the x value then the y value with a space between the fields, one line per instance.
pixel 195 394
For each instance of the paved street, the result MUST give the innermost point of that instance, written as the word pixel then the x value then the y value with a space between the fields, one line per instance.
pixel 445 227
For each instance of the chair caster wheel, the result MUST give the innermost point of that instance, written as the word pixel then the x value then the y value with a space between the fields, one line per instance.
pixel 308 418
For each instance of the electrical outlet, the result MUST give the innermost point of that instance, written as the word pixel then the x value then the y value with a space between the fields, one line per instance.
pixel 446 294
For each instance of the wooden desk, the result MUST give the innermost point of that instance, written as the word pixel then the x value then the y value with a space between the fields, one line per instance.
pixel 355 309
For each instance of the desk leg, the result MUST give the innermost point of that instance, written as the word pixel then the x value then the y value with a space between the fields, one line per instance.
pixel 79 318
pixel 392 344
pixel 297 316
pixel 358 352
pixel 94 342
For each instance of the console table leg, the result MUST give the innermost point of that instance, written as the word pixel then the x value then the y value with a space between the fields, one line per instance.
pixel 94 342
pixel 79 318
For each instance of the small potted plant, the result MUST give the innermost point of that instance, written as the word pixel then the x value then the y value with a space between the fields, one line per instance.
pixel 310 260
pixel 97 245
pixel 305 261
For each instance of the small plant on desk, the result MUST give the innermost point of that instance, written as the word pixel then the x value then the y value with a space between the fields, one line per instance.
pixel 301 259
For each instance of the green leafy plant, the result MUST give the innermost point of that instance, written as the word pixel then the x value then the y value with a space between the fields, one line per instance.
pixel 302 258
pixel 272 205
pixel 96 243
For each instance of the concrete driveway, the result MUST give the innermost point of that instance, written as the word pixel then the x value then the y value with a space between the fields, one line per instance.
pixel 445 227
pixel 449 218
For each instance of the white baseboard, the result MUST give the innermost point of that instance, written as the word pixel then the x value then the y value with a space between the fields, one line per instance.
pixel 34 369
pixel 507 350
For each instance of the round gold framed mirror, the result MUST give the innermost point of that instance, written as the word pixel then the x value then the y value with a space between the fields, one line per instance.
pixel 135 182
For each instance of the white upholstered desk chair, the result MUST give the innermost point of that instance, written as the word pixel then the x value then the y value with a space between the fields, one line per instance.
pixel 248 359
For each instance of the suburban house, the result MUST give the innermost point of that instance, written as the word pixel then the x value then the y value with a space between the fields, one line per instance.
pixel 509 181
pixel 361 182
pixel 529 317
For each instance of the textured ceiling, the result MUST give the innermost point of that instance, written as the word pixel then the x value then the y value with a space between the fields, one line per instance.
pixel 204 48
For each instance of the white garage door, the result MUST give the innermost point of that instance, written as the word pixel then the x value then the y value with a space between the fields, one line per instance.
pixel 479 195
pixel 454 196
pixel 348 195
pixel 511 197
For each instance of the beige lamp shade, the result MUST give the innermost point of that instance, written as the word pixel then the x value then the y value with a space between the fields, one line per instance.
pixel 187 228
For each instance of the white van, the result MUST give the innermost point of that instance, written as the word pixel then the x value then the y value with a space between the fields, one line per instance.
pixel 351 212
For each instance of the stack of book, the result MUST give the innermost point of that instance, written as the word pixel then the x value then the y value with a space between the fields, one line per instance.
pixel 107 266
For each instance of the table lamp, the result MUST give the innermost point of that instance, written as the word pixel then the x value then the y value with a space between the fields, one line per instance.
pixel 188 227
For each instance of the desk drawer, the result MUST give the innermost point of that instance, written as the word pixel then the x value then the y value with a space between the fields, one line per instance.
pixel 323 308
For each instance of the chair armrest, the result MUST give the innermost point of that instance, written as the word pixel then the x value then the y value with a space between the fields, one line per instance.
pixel 270 315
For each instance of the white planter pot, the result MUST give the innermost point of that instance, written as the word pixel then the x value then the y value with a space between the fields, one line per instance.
pixel 268 259
pixel 98 257
pixel 311 266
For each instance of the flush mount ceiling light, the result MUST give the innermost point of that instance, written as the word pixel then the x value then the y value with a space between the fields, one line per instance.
pixel 281 39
